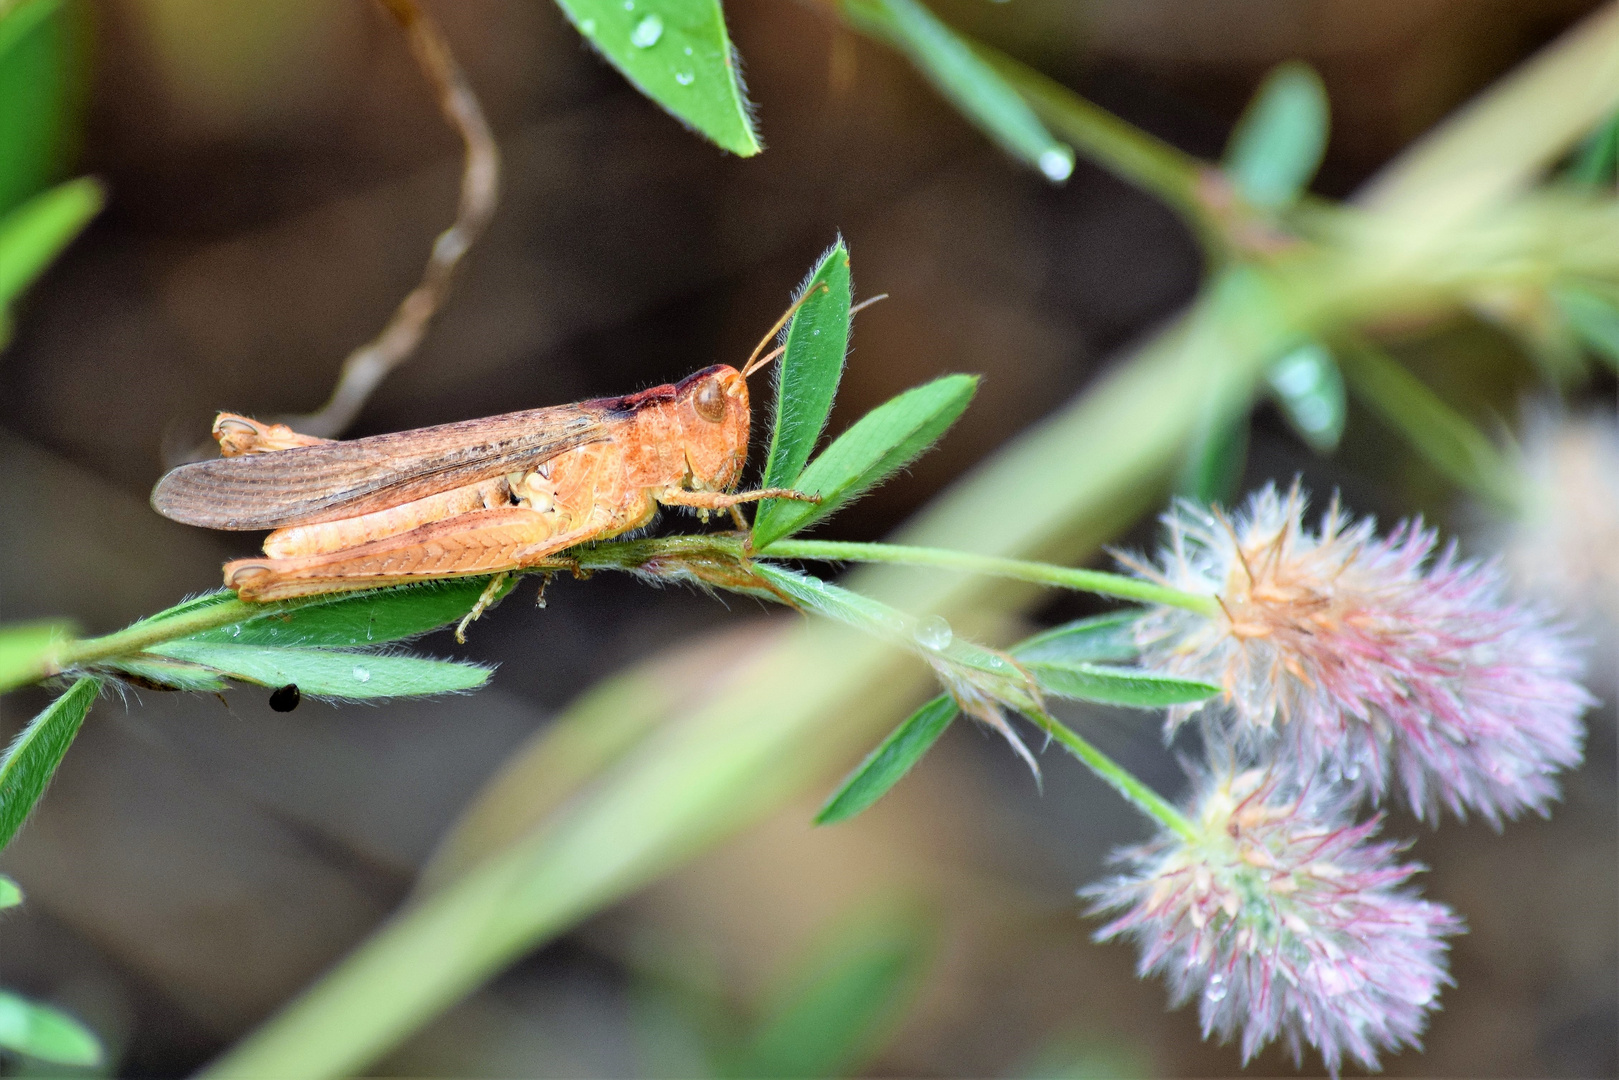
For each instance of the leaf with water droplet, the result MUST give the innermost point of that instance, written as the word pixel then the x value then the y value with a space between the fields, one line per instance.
pixel 948 61
pixel 1309 389
pixel 376 616
pixel 329 673
pixel 678 53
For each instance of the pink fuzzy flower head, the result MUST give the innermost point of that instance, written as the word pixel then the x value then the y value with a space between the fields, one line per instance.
pixel 1284 920
pixel 1368 659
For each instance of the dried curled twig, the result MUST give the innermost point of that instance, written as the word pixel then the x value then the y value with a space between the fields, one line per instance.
pixel 366 367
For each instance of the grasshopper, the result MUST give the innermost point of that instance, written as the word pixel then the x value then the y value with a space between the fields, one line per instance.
pixel 489 496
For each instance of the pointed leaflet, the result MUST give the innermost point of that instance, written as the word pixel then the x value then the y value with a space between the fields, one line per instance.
pixel 817 340
pixel 887 765
pixel 965 79
pixel 883 441
pixel 10 894
pixel 677 53
pixel 47 1034
pixel 359 619
pixel 36 232
pixel 329 672
pixel 1117 685
pixel 31 759
pixel 1277 145
pixel 1099 639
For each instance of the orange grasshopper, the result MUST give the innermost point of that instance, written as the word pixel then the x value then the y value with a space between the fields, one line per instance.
pixel 483 496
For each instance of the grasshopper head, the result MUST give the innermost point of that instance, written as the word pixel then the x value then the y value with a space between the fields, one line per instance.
pixel 713 404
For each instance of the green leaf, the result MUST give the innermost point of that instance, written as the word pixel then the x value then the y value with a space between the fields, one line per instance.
pixel 811 365
pixel 330 673
pixel 677 53
pixel 1278 144
pixel 25 647
pixel 1443 436
pixel 1211 471
pixel 31 759
pixel 1592 317
pixel 887 765
pixel 965 79
pixel 1099 639
pixel 835 1017
pixel 36 232
pixel 1117 685
pixel 879 444
pixel 10 894
pixel 37 66
pixel 48 1034
pixel 359 619
pixel 175 674
pixel 1309 389
pixel 1595 162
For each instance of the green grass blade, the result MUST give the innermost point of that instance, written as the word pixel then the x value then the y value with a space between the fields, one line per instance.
pixel 1278 144
pixel 47 1034
pixel 1101 639
pixel 330 673
pixel 31 759
pixel 1594 320
pixel 36 232
pixel 25 648
pixel 10 894
pixel 835 1017
pixel 879 444
pixel 965 79
pixel 677 53
pixel 817 341
pixel 1309 389
pixel 1117 686
pixel 369 618
pixel 887 765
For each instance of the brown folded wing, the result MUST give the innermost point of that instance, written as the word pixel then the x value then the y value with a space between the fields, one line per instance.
pixel 309 484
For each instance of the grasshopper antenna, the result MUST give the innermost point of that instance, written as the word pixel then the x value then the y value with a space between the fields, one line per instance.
pixel 755 362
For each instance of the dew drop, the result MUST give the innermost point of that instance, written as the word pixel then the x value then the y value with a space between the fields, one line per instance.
pixel 1057 163
pixel 361 674
pixel 588 26
pixel 1217 988
pixel 629 5
pixel 687 50
pixel 236 631
pixel 934 633
pixel 647 32
pixel 816 332
pixel 685 78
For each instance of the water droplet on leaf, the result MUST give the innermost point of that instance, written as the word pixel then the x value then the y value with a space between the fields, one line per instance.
pixel 361 674
pixel 934 633
pixel 647 32
pixel 685 78
pixel 1057 163
pixel 588 26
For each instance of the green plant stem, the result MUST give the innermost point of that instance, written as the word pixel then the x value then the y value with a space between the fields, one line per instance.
pixel 1096 581
pixel 1119 778
pixel 158 629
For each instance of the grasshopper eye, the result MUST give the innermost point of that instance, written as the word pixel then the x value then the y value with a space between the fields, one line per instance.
pixel 710 401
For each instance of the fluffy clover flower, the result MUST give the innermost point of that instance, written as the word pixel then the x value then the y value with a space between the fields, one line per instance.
pixel 1283 920
pixel 1364 658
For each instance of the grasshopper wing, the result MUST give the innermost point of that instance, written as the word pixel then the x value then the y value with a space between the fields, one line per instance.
pixel 308 484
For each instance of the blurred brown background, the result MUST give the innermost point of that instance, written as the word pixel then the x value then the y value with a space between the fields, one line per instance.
pixel 277 173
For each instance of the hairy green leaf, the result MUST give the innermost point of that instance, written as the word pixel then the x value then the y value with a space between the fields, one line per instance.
pixel 10 894
pixel 965 79
pixel 879 444
pixel 1100 639
pixel 48 1034
pixel 329 673
pixel 677 53
pixel 1277 145
pixel 1117 685
pixel 31 759
pixel 1309 389
pixel 175 674
pixel 836 1015
pixel 817 341
pixel 887 765
pixel 36 232
pixel 359 619
pixel 24 647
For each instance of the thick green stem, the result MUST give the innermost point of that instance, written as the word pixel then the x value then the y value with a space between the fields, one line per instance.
pixel 1096 581
pixel 1122 780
